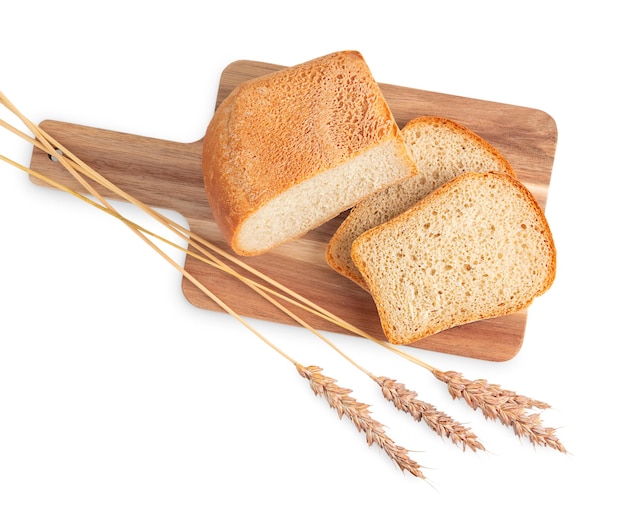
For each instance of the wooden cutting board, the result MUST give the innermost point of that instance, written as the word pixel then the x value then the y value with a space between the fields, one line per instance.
pixel 168 175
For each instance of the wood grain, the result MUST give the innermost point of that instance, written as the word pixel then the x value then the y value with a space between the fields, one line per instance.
pixel 168 175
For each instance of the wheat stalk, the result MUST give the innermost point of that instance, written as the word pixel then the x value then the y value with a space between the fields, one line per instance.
pixel 67 159
pixel 407 401
pixel 497 403
pixel 339 399
pixel 78 169
pixel 523 424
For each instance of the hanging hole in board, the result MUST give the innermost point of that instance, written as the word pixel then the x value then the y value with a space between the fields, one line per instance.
pixel 54 158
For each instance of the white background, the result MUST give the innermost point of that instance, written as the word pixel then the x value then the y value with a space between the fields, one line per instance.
pixel 115 390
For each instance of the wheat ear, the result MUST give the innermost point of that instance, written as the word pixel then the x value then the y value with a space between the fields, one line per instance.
pixel 339 399
pixel 407 401
pixel 497 403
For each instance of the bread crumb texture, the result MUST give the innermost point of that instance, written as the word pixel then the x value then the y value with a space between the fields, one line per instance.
pixel 285 129
pixel 442 149
pixel 478 247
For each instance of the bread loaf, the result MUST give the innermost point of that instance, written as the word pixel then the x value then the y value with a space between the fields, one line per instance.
pixel 478 247
pixel 287 152
pixel 442 149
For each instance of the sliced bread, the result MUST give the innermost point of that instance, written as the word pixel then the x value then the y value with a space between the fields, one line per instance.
pixel 289 151
pixel 442 149
pixel 478 247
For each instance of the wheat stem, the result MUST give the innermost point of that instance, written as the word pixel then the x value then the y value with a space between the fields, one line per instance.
pixel 74 165
pixel 47 142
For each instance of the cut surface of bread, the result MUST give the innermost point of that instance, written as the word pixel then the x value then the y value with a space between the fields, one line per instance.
pixel 442 149
pixel 478 247
pixel 289 151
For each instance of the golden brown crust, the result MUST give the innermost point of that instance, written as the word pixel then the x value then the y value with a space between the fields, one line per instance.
pixel 276 131
pixel 340 267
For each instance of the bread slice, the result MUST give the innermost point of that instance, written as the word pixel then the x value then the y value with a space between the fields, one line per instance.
pixel 478 247
pixel 287 152
pixel 442 149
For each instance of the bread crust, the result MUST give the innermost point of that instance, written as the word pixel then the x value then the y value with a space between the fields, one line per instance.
pixel 469 314
pixel 276 131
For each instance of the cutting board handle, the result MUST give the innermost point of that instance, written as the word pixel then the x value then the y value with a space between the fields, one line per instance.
pixel 160 173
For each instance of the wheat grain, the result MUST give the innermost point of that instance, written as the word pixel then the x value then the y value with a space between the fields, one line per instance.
pixel 497 403
pixel 339 399
pixel 407 401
